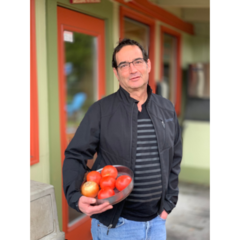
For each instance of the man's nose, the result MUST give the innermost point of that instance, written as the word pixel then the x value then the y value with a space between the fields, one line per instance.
pixel 132 68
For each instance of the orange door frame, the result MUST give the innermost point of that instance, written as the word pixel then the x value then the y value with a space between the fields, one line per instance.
pixel 163 30
pixel 77 22
pixel 34 132
pixel 125 12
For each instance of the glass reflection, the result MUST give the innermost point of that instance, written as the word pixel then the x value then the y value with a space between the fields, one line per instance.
pixel 81 85
pixel 169 67
pixel 137 31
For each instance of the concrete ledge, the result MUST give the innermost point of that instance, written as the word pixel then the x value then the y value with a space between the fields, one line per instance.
pixel 44 218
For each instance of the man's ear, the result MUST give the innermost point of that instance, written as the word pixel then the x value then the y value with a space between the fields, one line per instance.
pixel 149 65
pixel 115 72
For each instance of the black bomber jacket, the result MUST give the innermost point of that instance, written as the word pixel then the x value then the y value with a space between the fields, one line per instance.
pixel 110 129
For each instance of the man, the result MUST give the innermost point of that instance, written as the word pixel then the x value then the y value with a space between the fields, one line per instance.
pixel 135 128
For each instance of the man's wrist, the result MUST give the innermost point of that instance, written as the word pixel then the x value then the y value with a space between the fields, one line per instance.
pixel 77 206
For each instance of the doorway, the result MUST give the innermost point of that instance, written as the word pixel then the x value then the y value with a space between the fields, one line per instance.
pixel 81 50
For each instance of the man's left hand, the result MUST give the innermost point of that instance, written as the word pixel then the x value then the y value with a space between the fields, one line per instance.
pixel 164 215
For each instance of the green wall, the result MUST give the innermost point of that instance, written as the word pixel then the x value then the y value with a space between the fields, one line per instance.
pixel 201 49
pixel 101 10
pixel 196 152
pixel 40 172
pixel 196 145
pixel 187 50
pixel 195 175
pixel 195 49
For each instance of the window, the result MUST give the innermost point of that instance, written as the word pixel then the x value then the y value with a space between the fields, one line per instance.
pixel 171 80
pixel 140 28
pixel 137 31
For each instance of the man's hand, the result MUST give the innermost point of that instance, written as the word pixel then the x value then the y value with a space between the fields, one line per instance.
pixel 164 215
pixel 84 204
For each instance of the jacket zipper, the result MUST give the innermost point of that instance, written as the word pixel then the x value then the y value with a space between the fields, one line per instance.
pixel 163 190
pixel 131 135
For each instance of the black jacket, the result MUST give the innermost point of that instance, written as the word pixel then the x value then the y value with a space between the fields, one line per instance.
pixel 110 129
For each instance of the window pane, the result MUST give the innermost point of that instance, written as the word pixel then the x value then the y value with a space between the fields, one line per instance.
pixel 137 31
pixel 81 85
pixel 170 67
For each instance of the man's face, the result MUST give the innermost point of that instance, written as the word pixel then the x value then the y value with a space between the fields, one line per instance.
pixel 133 77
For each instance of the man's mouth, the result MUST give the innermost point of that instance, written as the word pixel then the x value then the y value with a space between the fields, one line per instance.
pixel 134 78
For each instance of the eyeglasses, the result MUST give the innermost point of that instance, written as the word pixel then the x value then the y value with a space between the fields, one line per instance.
pixel 124 66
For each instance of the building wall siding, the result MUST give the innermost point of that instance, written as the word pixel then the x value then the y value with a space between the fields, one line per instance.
pixel 40 172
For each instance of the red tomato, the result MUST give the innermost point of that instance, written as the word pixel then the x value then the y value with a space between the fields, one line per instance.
pixel 122 182
pixel 109 171
pixel 107 182
pixel 94 176
pixel 105 193
pixel 90 189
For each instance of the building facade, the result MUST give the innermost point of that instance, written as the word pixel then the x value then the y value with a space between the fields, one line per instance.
pixel 71 51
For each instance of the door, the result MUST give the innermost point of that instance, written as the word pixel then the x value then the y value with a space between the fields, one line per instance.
pixel 81 67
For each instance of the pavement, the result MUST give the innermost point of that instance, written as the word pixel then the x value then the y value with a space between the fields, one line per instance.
pixel 190 220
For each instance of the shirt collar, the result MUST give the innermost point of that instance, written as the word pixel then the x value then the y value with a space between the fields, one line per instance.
pixel 125 95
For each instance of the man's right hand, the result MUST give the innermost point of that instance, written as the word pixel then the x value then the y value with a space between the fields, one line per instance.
pixel 84 204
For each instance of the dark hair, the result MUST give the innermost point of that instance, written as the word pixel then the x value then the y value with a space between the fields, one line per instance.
pixel 125 42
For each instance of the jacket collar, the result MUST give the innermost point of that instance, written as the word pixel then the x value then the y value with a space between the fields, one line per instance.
pixel 125 96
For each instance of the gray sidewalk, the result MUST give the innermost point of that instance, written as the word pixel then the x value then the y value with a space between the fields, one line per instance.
pixel 190 219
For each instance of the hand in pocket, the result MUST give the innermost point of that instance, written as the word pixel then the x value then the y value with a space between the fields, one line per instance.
pixel 164 215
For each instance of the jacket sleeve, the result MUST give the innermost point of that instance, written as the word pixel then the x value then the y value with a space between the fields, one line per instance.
pixel 171 196
pixel 82 147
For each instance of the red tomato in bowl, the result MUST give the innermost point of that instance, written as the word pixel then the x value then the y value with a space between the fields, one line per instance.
pixel 94 176
pixel 107 182
pixel 122 182
pixel 109 170
pixel 105 193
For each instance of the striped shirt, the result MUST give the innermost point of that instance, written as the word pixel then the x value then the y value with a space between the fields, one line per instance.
pixel 142 203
